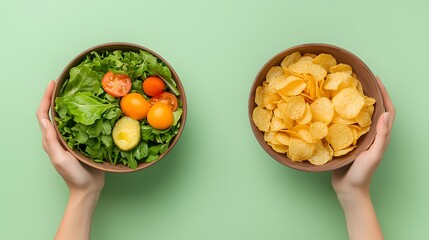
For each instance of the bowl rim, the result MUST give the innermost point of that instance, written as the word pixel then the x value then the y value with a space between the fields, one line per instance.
pixel 305 165
pixel 105 165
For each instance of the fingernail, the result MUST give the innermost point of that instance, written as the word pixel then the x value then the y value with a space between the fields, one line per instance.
pixel 386 117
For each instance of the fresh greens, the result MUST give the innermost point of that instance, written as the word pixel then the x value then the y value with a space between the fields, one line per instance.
pixel 86 114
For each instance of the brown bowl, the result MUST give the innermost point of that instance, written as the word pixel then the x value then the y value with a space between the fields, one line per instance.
pixel 370 87
pixel 107 166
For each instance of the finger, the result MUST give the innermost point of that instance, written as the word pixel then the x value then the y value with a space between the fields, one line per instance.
pixel 382 136
pixel 50 140
pixel 388 104
pixel 43 110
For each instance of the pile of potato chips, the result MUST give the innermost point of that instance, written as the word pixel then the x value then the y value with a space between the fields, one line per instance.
pixel 312 108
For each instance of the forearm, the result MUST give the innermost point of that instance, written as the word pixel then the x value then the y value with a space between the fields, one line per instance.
pixel 360 216
pixel 76 222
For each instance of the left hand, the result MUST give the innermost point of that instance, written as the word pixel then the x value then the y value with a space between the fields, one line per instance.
pixel 356 178
pixel 78 177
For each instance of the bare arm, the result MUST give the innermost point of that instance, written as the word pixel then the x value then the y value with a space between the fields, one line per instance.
pixel 84 183
pixel 352 183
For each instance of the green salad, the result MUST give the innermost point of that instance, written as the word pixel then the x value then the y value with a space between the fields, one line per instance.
pixel 98 97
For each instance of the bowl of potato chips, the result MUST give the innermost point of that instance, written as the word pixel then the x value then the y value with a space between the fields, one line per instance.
pixel 314 107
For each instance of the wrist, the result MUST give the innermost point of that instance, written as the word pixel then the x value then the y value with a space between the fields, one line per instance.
pixel 352 199
pixel 84 197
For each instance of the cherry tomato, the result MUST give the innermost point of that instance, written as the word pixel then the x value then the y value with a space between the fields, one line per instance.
pixel 166 98
pixel 160 116
pixel 117 85
pixel 135 106
pixel 153 86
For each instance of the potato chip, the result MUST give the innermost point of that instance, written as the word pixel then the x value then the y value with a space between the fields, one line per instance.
pixel 343 151
pixel 318 130
pixel 339 136
pixel 306 58
pixel 280 148
pixel 273 73
pixel 286 120
pixel 363 131
pixel 338 119
pixel 270 137
pixel 364 117
pixel 299 150
pixel 291 133
pixel 355 129
pixel 322 110
pixel 306 118
pixel 270 99
pixel 307 97
pixel 369 101
pixel 259 95
pixel 321 154
pixel 325 60
pixel 294 86
pixel 295 107
pixel 262 118
pixel 348 103
pixel 310 55
pixel 283 138
pixel 302 67
pixel 341 68
pixel 312 86
pixel 323 92
pixel 349 82
pixel 303 131
pixel 312 108
pixel 290 59
pixel 334 80
pixel 277 124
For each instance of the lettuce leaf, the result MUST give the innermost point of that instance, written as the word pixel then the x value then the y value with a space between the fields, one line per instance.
pixel 82 79
pixel 86 114
pixel 84 106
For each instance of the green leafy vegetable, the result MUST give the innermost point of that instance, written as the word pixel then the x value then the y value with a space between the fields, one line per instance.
pixel 86 114
pixel 84 106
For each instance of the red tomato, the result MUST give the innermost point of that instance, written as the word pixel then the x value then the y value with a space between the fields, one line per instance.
pixel 166 98
pixel 153 86
pixel 135 106
pixel 116 85
pixel 160 116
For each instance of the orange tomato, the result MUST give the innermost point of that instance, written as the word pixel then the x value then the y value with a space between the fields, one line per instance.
pixel 153 86
pixel 135 106
pixel 160 116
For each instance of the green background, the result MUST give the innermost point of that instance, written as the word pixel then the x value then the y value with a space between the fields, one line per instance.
pixel 217 183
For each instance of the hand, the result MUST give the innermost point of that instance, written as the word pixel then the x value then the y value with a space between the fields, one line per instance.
pixel 352 183
pixel 78 177
pixel 357 177
pixel 85 183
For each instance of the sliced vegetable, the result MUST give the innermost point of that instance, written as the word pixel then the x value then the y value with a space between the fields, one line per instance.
pixel 116 85
pixel 126 133
pixel 166 98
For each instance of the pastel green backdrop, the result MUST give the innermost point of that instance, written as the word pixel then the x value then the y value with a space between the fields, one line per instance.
pixel 217 183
